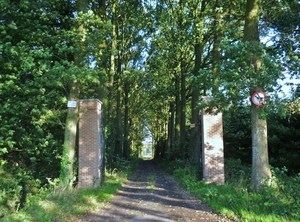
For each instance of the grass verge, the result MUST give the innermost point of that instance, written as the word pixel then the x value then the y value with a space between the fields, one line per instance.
pixel 65 205
pixel 151 182
pixel 279 202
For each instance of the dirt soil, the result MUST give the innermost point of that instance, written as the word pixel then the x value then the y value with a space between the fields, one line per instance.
pixel 142 199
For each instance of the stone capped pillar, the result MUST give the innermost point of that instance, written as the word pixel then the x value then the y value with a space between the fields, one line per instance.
pixel 91 144
pixel 212 146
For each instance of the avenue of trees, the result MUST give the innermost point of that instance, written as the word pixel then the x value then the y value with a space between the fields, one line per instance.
pixel 149 62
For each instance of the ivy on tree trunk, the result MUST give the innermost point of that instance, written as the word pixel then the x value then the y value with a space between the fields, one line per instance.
pixel 67 174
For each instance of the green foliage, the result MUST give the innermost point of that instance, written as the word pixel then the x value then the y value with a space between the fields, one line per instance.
pixel 282 18
pixel 284 142
pixel 54 204
pixel 235 199
pixel 237 134
pixel 283 138
pixel 51 203
pixel 38 40
pixel 292 107
pixel 237 79
pixel 36 59
pixel 175 164
pixel 10 192
pixel 15 185
pixel 151 182
pixel 34 55
pixel 122 165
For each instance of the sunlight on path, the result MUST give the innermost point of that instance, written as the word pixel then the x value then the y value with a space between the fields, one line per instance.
pixel 151 195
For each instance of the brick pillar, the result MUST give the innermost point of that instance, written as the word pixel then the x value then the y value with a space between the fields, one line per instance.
pixel 91 145
pixel 212 146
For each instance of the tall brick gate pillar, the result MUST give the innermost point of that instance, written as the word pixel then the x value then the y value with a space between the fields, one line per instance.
pixel 91 144
pixel 212 146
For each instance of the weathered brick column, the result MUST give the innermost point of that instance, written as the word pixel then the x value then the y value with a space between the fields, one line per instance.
pixel 212 146
pixel 91 144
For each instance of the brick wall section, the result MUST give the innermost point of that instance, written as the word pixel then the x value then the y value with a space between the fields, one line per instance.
pixel 212 147
pixel 90 152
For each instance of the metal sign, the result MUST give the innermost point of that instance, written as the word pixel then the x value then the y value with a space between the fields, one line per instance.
pixel 72 104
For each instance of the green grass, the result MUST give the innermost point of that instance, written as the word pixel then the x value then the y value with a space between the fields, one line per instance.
pixel 235 199
pixel 151 182
pixel 64 205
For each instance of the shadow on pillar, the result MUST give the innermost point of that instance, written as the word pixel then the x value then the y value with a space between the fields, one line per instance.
pixel 91 153
pixel 212 146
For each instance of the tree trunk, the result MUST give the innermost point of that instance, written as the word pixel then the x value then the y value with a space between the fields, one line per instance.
pixel 126 147
pixel 260 160
pixel 67 175
pixel 195 87
pixel 110 86
pixel 177 114
pixel 216 49
pixel 171 130
pixel 182 111
pixel 112 59
pixel 119 132
pixel 99 8
pixel 102 8
pixel 194 102
pixel 118 122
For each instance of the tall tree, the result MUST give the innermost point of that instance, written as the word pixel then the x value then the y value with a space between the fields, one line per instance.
pixel 127 40
pixel 67 174
pixel 260 160
pixel 216 56
pixel 198 17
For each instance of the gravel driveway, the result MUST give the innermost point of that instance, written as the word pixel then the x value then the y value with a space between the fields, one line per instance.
pixel 152 195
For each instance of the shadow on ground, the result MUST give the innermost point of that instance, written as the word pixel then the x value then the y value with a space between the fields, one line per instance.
pixel 152 195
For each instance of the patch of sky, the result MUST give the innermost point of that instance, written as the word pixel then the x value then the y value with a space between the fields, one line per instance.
pixel 289 83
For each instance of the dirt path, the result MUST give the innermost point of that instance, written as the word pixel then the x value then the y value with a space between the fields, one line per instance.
pixel 152 195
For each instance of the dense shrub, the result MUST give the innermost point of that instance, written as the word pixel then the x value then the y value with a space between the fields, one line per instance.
pixel 284 142
pixel 237 134
pixel 52 203
pixel 10 193
pixel 15 185
pixel 283 138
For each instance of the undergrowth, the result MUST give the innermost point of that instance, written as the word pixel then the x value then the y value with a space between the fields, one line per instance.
pixel 54 204
pixel 236 200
